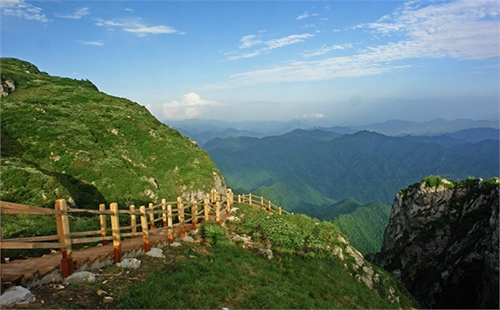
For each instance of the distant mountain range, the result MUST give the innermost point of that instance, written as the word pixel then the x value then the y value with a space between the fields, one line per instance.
pixel 204 130
pixel 322 166
pixel 315 171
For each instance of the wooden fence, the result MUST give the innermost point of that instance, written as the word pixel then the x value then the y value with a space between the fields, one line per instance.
pixel 153 219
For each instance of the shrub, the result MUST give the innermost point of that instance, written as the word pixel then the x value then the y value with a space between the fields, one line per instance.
pixel 214 233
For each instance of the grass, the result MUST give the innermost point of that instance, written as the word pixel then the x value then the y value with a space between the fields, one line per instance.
pixel 231 276
pixel 63 138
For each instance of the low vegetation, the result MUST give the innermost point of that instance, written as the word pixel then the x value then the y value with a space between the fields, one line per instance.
pixel 63 138
pixel 303 272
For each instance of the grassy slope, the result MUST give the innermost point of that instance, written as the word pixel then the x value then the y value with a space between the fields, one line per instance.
pixel 62 138
pixel 63 133
pixel 303 273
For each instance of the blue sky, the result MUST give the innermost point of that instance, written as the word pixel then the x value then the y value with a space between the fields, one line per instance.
pixel 334 62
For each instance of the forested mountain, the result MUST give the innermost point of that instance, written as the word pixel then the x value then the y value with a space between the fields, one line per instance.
pixel 326 175
pixel 365 165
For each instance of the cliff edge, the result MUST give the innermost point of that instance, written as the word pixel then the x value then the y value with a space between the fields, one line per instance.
pixel 442 242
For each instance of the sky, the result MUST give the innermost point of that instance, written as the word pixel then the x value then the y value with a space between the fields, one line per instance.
pixel 329 62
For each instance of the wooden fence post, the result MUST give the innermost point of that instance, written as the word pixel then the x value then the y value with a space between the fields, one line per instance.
pixel 269 209
pixel 115 227
pixel 217 213
pixel 180 208
pixel 194 216
pixel 213 196
pixel 279 210
pixel 170 236
pixel 151 216
pixel 262 202
pixel 133 219
pixel 239 198
pixel 206 209
pixel 64 237
pixel 145 231
pixel 230 201
pixel 2 254
pixel 250 199
pixel 164 214
pixel 102 221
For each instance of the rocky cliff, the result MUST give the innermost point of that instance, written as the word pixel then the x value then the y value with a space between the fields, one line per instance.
pixel 442 242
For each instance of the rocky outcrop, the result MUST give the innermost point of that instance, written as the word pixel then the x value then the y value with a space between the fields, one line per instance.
pixel 7 87
pixel 442 242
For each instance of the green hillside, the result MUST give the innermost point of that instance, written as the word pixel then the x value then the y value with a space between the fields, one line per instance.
pixel 365 226
pixel 309 267
pixel 63 138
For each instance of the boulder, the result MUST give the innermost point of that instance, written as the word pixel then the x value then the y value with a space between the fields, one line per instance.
pixel 80 277
pixel 155 252
pixel 132 263
pixel 16 295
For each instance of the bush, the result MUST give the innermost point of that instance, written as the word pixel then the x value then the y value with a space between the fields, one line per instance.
pixel 214 233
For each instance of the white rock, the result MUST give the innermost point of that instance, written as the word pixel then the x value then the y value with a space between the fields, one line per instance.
pixel 175 244
pixel 15 295
pixel 188 239
pixel 80 277
pixel 268 253
pixel 133 263
pixel 155 252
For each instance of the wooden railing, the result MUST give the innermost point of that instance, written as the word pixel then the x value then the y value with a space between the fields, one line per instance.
pixel 262 203
pixel 154 219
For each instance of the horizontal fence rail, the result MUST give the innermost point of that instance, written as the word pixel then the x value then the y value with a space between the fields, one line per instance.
pixel 144 221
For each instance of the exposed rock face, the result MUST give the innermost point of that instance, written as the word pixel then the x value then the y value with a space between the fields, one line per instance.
pixel 7 87
pixel 442 243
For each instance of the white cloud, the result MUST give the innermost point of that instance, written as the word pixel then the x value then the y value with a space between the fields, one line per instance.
pixel 292 39
pixel 77 14
pixel 313 115
pixel 459 30
pixel 255 40
pixel 94 43
pixel 136 27
pixel 306 15
pixel 21 9
pixel 144 30
pixel 190 106
pixel 249 41
pixel 326 49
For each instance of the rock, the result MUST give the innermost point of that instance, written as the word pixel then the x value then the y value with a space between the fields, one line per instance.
pixel 108 299
pixel 268 253
pixel 175 244
pixel 188 239
pixel 80 277
pixel 156 252
pixel 16 295
pixel 442 243
pixel 133 263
